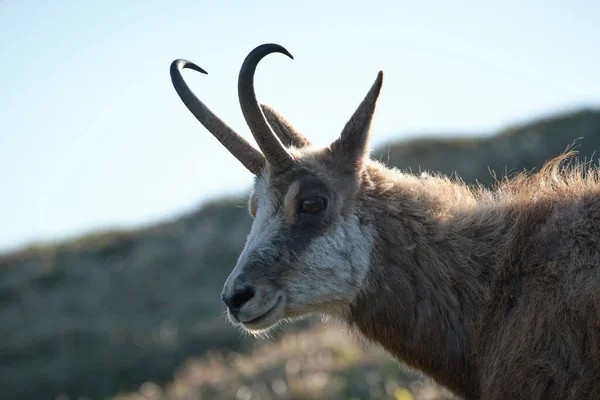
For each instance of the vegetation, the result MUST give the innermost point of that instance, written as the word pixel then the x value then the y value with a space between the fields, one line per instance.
pixel 110 312
pixel 320 363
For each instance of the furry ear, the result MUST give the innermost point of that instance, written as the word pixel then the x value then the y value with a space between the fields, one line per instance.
pixel 352 145
pixel 286 132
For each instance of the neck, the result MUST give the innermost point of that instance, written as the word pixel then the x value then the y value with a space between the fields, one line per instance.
pixel 429 276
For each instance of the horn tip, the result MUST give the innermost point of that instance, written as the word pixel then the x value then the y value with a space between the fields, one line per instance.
pixel 181 63
pixel 379 81
pixel 286 52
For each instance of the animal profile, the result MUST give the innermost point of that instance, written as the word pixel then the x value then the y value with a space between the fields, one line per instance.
pixel 493 293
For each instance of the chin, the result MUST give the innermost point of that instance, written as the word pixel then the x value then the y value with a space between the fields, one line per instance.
pixel 260 327
pixel 261 321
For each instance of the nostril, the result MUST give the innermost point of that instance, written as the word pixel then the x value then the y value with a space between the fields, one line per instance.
pixel 241 297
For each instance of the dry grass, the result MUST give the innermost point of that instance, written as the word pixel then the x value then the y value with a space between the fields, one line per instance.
pixel 321 363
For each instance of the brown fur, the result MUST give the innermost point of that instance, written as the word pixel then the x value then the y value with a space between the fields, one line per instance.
pixel 289 203
pixel 494 294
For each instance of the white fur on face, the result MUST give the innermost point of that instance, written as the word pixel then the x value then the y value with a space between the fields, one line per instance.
pixel 325 277
pixel 262 233
pixel 329 274
pixel 268 302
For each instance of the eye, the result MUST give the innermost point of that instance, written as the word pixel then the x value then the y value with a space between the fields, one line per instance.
pixel 312 205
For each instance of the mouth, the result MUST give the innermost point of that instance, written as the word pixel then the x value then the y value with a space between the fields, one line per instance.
pixel 264 320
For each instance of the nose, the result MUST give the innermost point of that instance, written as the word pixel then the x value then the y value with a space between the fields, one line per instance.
pixel 240 297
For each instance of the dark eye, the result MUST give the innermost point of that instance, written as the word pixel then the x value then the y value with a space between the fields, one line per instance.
pixel 312 205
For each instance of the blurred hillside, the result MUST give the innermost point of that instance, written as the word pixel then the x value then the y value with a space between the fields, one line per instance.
pixel 110 311
pixel 515 148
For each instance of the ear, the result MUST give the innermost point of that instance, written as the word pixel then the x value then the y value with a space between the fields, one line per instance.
pixel 286 132
pixel 352 146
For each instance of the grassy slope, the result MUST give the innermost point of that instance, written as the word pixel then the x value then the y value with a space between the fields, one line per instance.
pixel 113 310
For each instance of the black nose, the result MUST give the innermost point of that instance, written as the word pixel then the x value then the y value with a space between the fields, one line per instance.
pixel 238 298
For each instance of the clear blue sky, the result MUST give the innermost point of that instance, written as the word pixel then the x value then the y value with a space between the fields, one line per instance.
pixel 92 134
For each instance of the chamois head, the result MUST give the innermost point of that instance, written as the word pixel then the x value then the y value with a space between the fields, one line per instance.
pixel 309 248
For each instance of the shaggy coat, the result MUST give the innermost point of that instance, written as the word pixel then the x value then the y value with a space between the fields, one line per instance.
pixel 493 293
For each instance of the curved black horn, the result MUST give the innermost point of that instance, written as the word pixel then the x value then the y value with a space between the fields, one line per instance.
pixel 275 152
pixel 250 157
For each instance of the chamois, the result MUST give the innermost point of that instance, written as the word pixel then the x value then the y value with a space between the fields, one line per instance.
pixel 493 293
